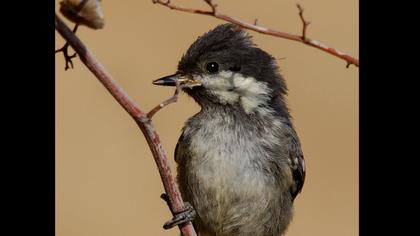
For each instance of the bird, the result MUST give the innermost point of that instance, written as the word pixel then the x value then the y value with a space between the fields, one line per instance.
pixel 239 160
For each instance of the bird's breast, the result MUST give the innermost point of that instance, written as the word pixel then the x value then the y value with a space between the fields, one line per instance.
pixel 225 172
pixel 225 153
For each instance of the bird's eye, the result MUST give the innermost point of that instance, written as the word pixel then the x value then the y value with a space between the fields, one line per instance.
pixel 212 67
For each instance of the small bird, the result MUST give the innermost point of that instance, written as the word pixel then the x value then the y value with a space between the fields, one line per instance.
pixel 239 160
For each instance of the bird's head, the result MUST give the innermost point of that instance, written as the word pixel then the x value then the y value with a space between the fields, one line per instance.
pixel 224 67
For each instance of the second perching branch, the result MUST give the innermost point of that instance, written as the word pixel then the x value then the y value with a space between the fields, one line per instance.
pixel 257 28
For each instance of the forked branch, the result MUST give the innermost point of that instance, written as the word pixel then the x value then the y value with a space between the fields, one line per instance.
pixel 214 12
pixel 304 22
pixel 65 50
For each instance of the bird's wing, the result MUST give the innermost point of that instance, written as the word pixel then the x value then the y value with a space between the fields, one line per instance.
pixel 297 164
pixel 176 154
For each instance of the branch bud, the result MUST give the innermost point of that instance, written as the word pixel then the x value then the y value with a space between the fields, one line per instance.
pixel 85 12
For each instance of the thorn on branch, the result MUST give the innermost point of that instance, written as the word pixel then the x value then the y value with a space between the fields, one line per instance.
pixel 256 21
pixel 304 22
pixel 348 64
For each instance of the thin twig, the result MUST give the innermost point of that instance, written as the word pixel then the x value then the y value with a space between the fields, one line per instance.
pixel 140 117
pixel 168 101
pixel 64 49
pixel 298 38
pixel 304 22
pixel 212 5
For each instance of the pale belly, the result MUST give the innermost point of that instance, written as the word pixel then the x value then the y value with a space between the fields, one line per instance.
pixel 232 194
pixel 225 173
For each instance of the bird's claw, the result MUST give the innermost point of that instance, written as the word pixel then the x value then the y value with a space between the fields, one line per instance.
pixel 185 215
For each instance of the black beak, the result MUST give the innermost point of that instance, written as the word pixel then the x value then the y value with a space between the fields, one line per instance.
pixel 169 80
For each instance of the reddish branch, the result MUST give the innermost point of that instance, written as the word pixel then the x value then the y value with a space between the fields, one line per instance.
pixel 140 117
pixel 298 38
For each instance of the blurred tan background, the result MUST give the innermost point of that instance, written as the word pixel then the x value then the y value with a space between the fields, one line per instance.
pixel 107 183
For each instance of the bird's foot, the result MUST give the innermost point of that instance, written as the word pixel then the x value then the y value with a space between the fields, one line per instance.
pixel 185 215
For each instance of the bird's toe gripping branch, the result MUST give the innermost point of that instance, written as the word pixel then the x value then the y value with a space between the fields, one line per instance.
pixel 185 215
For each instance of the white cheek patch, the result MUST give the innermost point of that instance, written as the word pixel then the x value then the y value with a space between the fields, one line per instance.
pixel 231 88
pixel 252 93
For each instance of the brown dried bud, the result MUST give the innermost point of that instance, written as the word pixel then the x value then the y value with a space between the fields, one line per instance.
pixel 85 12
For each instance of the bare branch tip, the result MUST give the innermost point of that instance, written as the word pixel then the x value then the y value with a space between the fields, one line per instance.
pixel 212 5
pixel 304 22
pixel 299 7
